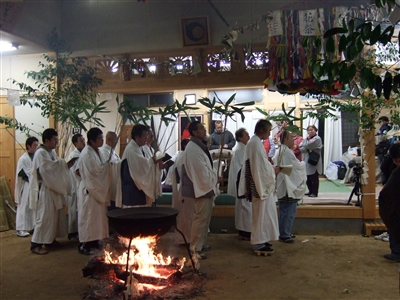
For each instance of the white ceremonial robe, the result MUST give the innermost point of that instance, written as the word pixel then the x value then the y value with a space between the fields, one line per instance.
pixel 142 171
pixel 93 196
pixel 184 219
pixel 149 153
pixel 200 170
pixel 242 205
pixel 295 184
pixel 264 225
pixel 204 177
pixel 25 217
pixel 168 177
pixel 72 200
pixel 50 184
pixel 115 168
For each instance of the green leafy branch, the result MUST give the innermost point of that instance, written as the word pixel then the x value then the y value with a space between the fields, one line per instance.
pixel 227 110
pixel 287 117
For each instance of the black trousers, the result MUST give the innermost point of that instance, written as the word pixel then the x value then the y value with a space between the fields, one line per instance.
pixel 313 183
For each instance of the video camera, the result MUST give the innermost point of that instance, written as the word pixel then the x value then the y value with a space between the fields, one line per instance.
pixel 357 168
pixel 355 165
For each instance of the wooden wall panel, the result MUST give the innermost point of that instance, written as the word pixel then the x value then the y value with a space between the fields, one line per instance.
pixel 7 146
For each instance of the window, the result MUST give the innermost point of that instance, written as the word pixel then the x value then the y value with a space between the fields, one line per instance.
pixel 161 99
pixel 242 96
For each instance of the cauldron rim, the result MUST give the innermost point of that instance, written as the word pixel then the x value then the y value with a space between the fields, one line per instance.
pixel 142 221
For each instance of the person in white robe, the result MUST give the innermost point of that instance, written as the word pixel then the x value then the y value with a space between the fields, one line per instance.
pixel 149 153
pixel 25 217
pixel 185 206
pixel 79 142
pixel 93 194
pixel 257 182
pixel 290 188
pixel 242 205
pixel 137 184
pixel 199 182
pixel 50 184
pixel 108 154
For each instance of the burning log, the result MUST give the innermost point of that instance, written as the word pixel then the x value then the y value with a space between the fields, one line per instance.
pixel 158 281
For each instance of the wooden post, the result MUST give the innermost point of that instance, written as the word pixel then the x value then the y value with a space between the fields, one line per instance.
pixel 368 190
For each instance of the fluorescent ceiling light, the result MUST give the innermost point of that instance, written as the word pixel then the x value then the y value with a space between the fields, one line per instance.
pixel 7 46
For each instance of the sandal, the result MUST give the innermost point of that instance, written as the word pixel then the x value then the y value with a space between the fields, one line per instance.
pixel 39 251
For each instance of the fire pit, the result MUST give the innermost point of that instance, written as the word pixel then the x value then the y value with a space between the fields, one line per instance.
pixel 132 259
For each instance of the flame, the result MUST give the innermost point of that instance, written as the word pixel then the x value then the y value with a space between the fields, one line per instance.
pixel 142 258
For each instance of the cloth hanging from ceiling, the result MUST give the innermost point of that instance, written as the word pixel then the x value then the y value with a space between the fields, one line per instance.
pixel 332 139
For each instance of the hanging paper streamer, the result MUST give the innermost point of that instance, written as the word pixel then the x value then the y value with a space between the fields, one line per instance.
pixel 275 24
pixel 308 22
pixel 13 98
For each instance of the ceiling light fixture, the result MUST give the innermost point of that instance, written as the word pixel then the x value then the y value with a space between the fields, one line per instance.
pixel 7 46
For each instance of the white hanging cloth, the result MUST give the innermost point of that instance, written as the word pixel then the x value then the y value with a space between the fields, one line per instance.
pixel 332 139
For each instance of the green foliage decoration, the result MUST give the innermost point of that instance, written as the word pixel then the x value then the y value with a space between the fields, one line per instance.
pixel 64 89
pixel 352 62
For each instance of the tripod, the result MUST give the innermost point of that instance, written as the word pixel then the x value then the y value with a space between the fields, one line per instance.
pixel 356 189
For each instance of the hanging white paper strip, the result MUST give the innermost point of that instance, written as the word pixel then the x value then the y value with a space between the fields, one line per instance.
pixel 275 24
pixel 13 98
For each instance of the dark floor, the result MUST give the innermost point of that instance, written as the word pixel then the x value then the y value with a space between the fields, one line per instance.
pixel 314 267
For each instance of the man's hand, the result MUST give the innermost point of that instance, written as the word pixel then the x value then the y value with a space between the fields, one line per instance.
pixel 15 204
pixel 277 170
pixel 226 146
pixel 70 164
pixel 219 179
pixel 161 164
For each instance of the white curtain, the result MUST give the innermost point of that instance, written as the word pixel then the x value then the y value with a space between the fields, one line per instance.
pixel 332 140
pixel 250 120
pixel 167 136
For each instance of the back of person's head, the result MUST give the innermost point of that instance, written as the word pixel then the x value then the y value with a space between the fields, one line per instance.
pixel 92 134
pixel 262 126
pixel 239 133
pixel 48 134
pixel 75 138
pixel 193 127
pixel 394 151
pixel 285 134
pixel 138 130
pixel 30 140
pixel 383 119
pixel 184 143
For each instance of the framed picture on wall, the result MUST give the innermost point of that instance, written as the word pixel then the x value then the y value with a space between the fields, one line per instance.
pixel 190 99
pixel 195 31
pixel 183 126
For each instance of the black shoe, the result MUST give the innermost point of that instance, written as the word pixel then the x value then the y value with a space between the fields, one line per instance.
pixel 312 196
pixel 286 240
pixel 85 251
pixel 307 194
pixel 268 244
pixel 244 235
pixel 292 236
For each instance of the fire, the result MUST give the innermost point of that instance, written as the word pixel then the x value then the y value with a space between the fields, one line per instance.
pixel 145 262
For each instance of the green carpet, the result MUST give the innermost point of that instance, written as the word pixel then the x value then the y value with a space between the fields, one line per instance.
pixel 334 186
